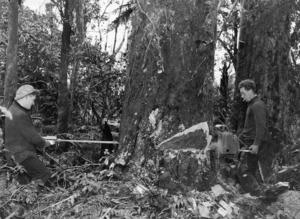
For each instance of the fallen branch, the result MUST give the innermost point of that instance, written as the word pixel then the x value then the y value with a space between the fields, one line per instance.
pixel 10 199
pixel 71 198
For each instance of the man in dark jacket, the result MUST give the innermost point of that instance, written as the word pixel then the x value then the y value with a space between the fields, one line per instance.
pixel 21 140
pixel 254 137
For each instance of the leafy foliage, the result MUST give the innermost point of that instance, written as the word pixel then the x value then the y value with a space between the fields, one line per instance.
pixel 99 89
pixel 100 86
pixel 124 15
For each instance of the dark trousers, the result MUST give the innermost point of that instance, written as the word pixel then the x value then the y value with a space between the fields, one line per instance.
pixel 255 168
pixel 246 171
pixel 35 169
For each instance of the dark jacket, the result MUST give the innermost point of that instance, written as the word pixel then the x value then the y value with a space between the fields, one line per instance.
pixel 256 123
pixel 21 140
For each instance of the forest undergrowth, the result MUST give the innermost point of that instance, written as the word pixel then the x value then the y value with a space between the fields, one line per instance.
pixel 81 188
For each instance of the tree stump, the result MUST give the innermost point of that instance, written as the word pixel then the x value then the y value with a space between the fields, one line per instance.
pixel 185 160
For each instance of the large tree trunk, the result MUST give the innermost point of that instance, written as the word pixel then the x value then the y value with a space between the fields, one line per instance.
pixel 11 77
pixel 169 76
pixel 263 56
pixel 63 91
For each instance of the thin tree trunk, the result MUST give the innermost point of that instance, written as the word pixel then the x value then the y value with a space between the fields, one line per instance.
pixel 121 43
pixel 73 85
pixel 88 99
pixel 239 105
pixel 263 56
pixel 63 91
pixel 11 77
pixel 116 31
pixel 105 89
pixel 80 25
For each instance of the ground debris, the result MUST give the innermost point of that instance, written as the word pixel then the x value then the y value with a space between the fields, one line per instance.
pixel 89 190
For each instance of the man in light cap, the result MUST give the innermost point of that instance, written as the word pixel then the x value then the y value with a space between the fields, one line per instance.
pixel 21 140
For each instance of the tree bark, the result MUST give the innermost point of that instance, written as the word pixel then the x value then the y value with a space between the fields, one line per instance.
pixel 73 84
pixel 11 77
pixel 263 56
pixel 80 27
pixel 169 75
pixel 63 91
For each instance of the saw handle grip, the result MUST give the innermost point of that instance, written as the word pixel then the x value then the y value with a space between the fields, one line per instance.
pixel 51 139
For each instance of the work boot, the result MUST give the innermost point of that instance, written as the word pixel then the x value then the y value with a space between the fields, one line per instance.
pixel 271 193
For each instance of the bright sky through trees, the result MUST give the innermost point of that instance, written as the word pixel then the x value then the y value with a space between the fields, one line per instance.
pixel 36 5
pixel 39 7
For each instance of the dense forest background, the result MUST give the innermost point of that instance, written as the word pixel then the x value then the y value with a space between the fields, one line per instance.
pixel 181 67
pixel 93 79
pixel 81 81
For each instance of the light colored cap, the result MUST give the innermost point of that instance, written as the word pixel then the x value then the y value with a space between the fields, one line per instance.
pixel 25 90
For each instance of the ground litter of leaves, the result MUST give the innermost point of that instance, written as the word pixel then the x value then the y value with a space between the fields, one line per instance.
pixel 104 190
pixel 90 191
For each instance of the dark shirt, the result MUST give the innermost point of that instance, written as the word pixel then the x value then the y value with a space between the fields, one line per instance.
pixel 21 140
pixel 256 123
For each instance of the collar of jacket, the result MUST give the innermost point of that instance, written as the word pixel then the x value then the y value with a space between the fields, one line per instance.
pixel 21 107
pixel 253 99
